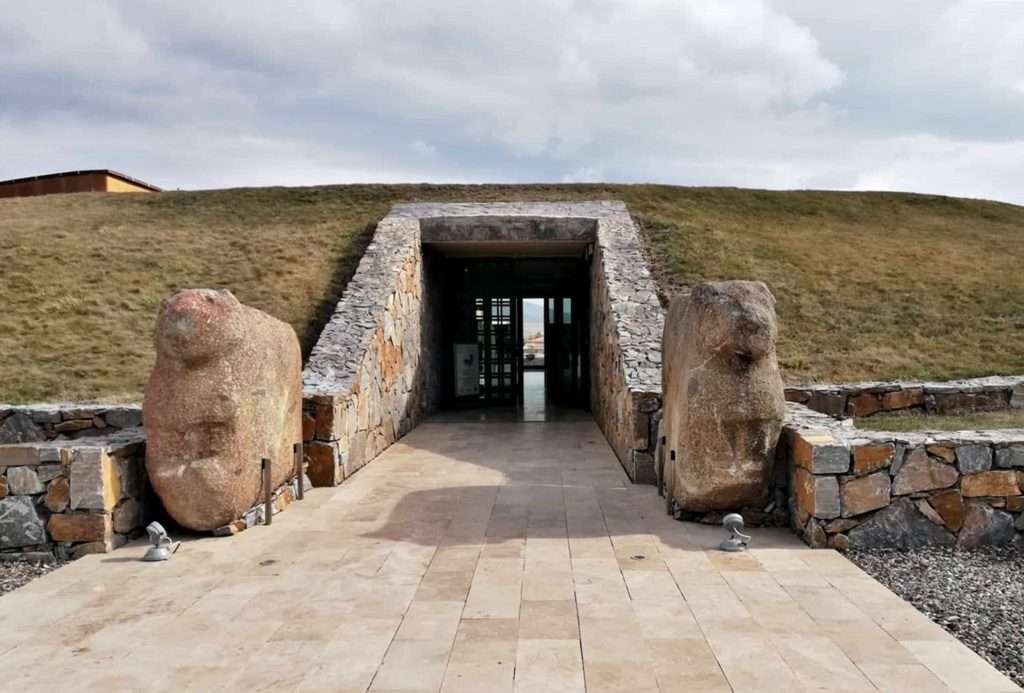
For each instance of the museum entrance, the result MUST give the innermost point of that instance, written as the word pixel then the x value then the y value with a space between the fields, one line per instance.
pixel 515 335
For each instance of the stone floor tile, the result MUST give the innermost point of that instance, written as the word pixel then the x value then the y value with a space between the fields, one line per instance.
pixel 431 620
pixel 645 585
pixel 820 664
pixel 686 665
pixel 480 664
pixel 552 666
pixel 548 620
pixel 413 665
pixel 897 678
pixel 668 618
pixel 958 667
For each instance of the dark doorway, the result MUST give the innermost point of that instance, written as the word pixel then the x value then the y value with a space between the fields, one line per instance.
pixel 492 309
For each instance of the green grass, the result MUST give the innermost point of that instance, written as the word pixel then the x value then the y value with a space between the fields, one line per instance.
pixel 903 422
pixel 870 285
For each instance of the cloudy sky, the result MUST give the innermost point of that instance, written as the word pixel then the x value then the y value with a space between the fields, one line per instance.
pixel 924 95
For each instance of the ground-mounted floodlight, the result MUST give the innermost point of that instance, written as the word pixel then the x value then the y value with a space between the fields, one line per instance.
pixel 162 547
pixel 737 540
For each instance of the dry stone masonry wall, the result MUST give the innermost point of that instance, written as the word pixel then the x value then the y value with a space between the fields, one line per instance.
pixel 66 498
pixel 41 422
pixel 854 488
pixel 374 373
pixel 952 397
pixel 626 325
pixel 367 382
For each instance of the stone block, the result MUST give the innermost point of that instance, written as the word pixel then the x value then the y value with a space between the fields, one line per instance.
pixel 997 483
pixel 870 458
pixel 49 472
pixel 323 463
pixel 23 481
pixel 76 527
pixel 903 399
pixel 864 404
pixel 123 417
pixel 3 486
pixel 1012 456
pixel 817 496
pixel 74 425
pixel 831 403
pixel 985 526
pixel 1015 504
pixel 58 495
pixel 973 458
pixel 1017 397
pixel 899 526
pixel 20 428
pixel 944 451
pixel 920 472
pixel 820 454
pixel 928 511
pixel 865 494
pixel 127 516
pixel 19 455
pixel 132 471
pixel 95 480
pixel 20 524
pixel 950 507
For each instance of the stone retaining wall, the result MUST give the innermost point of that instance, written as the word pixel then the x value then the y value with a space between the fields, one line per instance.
pixel 950 397
pixel 66 498
pixel 40 422
pixel 854 488
pixel 626 323
pixel 372 375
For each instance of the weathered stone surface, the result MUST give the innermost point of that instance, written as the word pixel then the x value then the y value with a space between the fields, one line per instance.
pixel 3 487
pixel 816 496
pixel 921 473
pixel 944 451
pixel 49 472
pixel 899 526
pixel 23 481
pixel 998 483
pixel 869 458
pixel 723 396
pixel 20 428
pixel 224 393
pixel 127 516
pixel 950 507
pixel 984 526
pixel 839 542
pixel 814 535
pixel 123 417
pixel 1015 504
pixel 973 458
pixel 841 525
pixel 74 425
pixel 864 405
pixel 58 495
pixel 820 454
pixel 1012 456
pixel 865 494
pixel 903 399
pixel 20 524
pixel 928 511
pixel 79 526
pixel 95 480
pixel 323 462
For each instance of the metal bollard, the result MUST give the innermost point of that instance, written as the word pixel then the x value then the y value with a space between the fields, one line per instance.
pixel 268 503
pixel 300 471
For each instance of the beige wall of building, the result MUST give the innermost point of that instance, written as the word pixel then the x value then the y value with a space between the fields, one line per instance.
pixel 74 182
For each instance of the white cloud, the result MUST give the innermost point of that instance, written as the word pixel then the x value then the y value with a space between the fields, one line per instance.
pixel 923 95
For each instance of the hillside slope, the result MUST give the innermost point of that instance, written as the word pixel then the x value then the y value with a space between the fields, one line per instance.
pixel 870 285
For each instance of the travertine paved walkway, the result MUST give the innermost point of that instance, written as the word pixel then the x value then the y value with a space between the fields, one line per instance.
pixel 484 558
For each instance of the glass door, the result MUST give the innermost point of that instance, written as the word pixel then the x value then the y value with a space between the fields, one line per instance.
pixel 562 351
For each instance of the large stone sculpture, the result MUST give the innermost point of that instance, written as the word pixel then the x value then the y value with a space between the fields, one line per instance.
pixel 225 392
pixel 723 397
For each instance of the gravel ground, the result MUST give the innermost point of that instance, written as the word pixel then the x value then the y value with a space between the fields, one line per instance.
pixel 14 574
pixel 975 595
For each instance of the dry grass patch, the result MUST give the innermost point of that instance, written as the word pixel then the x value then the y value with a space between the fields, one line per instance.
pixel 870 285
pixel 915 421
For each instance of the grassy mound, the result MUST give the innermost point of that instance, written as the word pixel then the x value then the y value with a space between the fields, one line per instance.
pixel 870 285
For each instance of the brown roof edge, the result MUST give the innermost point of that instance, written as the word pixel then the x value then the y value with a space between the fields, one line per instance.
pixel 106 171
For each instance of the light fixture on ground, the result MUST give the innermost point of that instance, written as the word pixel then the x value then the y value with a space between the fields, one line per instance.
pixel 162 547
pixel 737 540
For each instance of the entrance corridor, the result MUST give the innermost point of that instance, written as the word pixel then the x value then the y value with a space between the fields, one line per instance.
pixel 481 557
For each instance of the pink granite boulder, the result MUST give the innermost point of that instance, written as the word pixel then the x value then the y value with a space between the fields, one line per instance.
pixel 723 397
pixel 225 392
